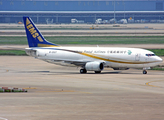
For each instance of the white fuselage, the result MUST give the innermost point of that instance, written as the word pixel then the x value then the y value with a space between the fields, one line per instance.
pixel 112 56
pixel 89 58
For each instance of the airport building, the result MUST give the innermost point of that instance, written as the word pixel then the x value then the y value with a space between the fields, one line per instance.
pixel 82 11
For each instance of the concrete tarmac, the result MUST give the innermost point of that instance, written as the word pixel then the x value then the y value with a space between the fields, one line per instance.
pixel 62 93
pixel 139 29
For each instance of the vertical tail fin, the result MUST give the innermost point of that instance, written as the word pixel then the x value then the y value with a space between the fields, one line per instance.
pixel 34 37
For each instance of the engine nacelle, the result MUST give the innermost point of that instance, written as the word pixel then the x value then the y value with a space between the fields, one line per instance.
pixel 94 66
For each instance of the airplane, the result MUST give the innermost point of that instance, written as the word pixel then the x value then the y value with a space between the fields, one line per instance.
pixel 88 58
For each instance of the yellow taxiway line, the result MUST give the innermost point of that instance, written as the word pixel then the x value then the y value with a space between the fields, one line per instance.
pixel 148 83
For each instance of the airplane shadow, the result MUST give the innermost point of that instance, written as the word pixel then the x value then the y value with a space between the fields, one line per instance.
pixel 71 73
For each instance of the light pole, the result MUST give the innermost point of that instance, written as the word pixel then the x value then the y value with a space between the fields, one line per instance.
pixel 114 11
pixel 124 9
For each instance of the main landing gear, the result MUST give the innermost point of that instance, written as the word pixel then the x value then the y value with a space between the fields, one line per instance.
pixel 82 71
pixel 97 71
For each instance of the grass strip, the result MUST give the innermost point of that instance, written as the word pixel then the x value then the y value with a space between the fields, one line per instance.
pixel 158 68
pixel 13 52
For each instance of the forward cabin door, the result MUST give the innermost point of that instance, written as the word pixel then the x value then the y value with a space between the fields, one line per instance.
pixel 137 57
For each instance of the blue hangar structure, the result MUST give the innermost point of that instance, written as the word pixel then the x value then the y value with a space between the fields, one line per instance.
pixel 62 11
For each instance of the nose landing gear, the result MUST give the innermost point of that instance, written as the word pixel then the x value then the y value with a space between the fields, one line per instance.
pixel 144 72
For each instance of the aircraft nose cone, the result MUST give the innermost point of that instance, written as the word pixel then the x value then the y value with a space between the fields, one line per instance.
pixel 159 59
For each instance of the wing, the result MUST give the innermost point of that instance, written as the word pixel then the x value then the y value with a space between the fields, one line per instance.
pixel 72 63
pixel 66 62
pixel 63 62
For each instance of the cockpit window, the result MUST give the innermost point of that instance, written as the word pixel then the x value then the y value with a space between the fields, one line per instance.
pixel 150 55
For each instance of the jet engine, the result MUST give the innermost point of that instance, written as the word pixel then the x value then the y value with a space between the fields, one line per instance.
pixel 94 66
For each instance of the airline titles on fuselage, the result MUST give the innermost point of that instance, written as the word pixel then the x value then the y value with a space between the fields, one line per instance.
pixel 100 51
pixel 97 51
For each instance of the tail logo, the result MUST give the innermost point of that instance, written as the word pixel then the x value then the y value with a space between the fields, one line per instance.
pixel 27 21
pixel 32 30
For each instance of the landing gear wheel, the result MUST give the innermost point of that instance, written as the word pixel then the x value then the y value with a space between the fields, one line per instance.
pixel 97 71
pixel 83 71
pixel 144 72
